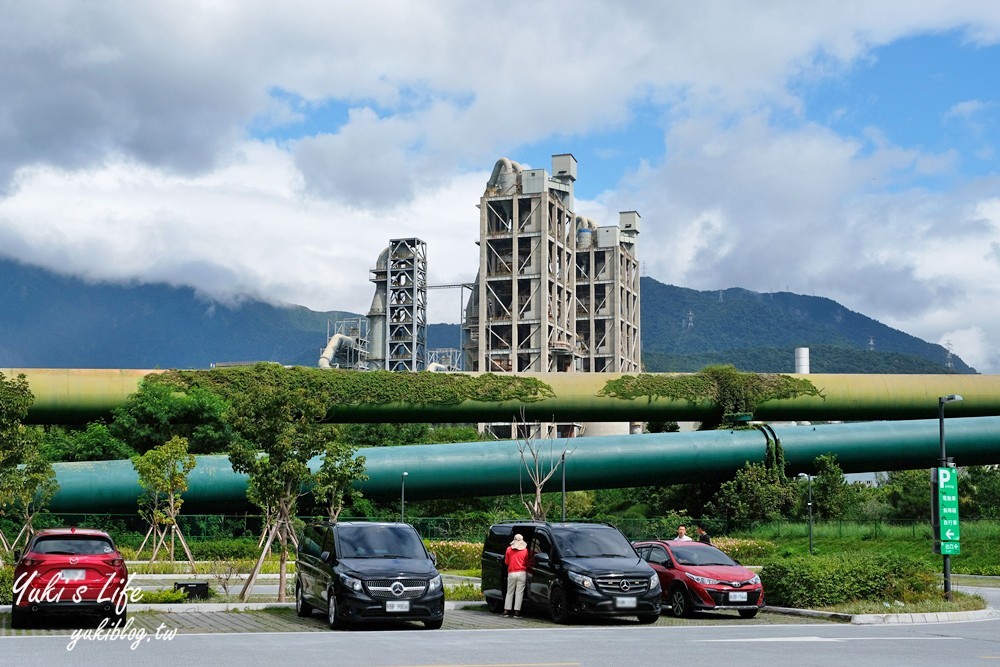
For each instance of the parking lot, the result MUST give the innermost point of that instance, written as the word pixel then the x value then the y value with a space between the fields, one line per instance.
pixel 283 619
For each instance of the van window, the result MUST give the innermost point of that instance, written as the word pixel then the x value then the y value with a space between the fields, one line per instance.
pixel 593 541
pixel 540 544
pixel 377 541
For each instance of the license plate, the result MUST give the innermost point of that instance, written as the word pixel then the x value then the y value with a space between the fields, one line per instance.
pixel 625 603
pixel 397 606
pixel 738 597
pixel 72 575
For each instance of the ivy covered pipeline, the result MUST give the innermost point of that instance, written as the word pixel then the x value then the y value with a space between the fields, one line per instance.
pixel 346 387
pixel 730 390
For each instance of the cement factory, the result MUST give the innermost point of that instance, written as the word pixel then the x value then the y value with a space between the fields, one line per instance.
pixel 555 292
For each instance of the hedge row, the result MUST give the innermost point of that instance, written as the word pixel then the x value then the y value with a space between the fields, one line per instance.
pixel 6 585
pixel 746 551
pixel 823 581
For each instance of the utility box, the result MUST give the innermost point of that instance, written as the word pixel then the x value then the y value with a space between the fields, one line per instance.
pixel 534 182
pixel 193 589
pixel 608 237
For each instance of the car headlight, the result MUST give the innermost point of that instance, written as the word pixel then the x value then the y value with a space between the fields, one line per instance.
pixel 351 582
pixel 755 580
pixel 434 583
pixel 654 581
pixel 581 580
pixel 704 581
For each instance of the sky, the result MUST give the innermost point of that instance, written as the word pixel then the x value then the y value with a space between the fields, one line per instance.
pixel 271 150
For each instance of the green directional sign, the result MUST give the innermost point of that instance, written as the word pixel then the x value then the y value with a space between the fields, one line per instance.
pixel 947 505
pixel 950 548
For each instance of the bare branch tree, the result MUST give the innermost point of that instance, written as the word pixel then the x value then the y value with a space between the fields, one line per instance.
pixel 541 459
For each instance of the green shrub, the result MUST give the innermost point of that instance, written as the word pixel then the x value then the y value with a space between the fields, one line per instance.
pixel 465 591
pixel 453 555
pixel 822 581
pixel 6 585
pixel 163 597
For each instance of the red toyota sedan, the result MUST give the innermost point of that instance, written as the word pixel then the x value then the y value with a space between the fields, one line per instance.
pixel 695 576
pixel 69 571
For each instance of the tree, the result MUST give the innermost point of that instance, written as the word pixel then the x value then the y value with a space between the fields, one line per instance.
pixel 279 431
pixel 540 458
pixel 908 493
pixel 980 492
pixel 833 497
pixel 163 473
pixel 754 494
pixel 158 412
pixel 382 435
pixel 26 479
pixel 336 476
pixel 94 443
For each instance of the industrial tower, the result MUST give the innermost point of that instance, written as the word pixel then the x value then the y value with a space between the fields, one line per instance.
pixel 397 320
pixel 554 292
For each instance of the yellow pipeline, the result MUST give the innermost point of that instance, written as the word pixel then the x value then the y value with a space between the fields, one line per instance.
pixel 77 395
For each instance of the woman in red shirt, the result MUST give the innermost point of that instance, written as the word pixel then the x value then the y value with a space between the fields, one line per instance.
pixel 516 559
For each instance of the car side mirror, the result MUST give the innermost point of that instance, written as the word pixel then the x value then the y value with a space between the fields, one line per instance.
pixel 541 558
pixel 669 564
pixel 327 557
pixel 434 558
pixel 17 555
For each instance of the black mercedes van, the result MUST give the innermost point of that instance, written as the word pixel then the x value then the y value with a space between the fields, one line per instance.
pixel 358 571
pixel 574 569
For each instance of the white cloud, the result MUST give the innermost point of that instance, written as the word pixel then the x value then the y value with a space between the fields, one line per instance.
pixel 126 146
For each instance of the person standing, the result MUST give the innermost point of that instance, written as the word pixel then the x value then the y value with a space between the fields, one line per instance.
pixel 682 534
pixel 702 535
pixel 516 559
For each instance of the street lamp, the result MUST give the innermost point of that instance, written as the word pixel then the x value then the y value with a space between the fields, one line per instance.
pixel 402 497
pixel 564 485
pixel 943 463
pixel 810 506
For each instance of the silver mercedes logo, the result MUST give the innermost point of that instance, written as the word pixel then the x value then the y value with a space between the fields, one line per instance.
pixel 396 588
pixel 624 585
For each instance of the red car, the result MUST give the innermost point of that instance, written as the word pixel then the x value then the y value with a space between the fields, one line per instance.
pixel 69 571
pixel 695 576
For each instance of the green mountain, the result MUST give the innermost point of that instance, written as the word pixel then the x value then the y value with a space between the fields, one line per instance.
pixel 686 330
pixel 49 320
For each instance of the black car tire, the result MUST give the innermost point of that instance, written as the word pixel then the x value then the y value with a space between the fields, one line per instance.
pixel 558 609
pixel 19 618
pixel 331 612
pixel 748 613
pixel 495 605
pixel 433 625
pixel 680 603
pixel 647 619
pixel 115 619
pixel 302 608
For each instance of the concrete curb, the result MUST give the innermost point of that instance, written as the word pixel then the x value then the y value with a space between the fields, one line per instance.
pixel 891 619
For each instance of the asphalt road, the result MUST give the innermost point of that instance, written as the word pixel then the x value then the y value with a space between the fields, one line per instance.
pixel 969 643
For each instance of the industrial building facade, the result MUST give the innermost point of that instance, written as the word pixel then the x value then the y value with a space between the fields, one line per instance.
pixel 554 291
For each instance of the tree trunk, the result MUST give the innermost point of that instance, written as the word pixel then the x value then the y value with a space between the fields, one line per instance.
pixel 252 577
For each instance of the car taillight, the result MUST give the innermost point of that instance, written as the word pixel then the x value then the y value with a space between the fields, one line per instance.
pixel 30 562
pixel 115 562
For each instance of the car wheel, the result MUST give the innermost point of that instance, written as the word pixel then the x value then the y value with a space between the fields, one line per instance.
pixel 331 611
pixel 18 617
pixel 680 605
pixel 118 619
pixel 494 604
pixel 558 610
pixel 302 608
pixel 748 613
pixel 646 619
pixel 433 625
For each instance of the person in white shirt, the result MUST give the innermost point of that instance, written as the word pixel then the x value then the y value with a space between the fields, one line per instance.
pixel 682 534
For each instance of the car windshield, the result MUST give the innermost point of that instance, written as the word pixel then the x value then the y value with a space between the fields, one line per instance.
pixel 83 545
pixel 379 542
pixel 704 555
pixel 593 542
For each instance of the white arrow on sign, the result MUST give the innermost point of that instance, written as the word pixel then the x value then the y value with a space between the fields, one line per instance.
pixel 950 534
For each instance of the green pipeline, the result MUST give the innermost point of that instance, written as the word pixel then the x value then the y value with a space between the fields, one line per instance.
pixel 495 468
pixel 74 395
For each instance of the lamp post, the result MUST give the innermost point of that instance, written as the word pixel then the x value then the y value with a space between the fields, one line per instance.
pixel 809 504
pixel 563 463
pixel 943 463
pixel 402 497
